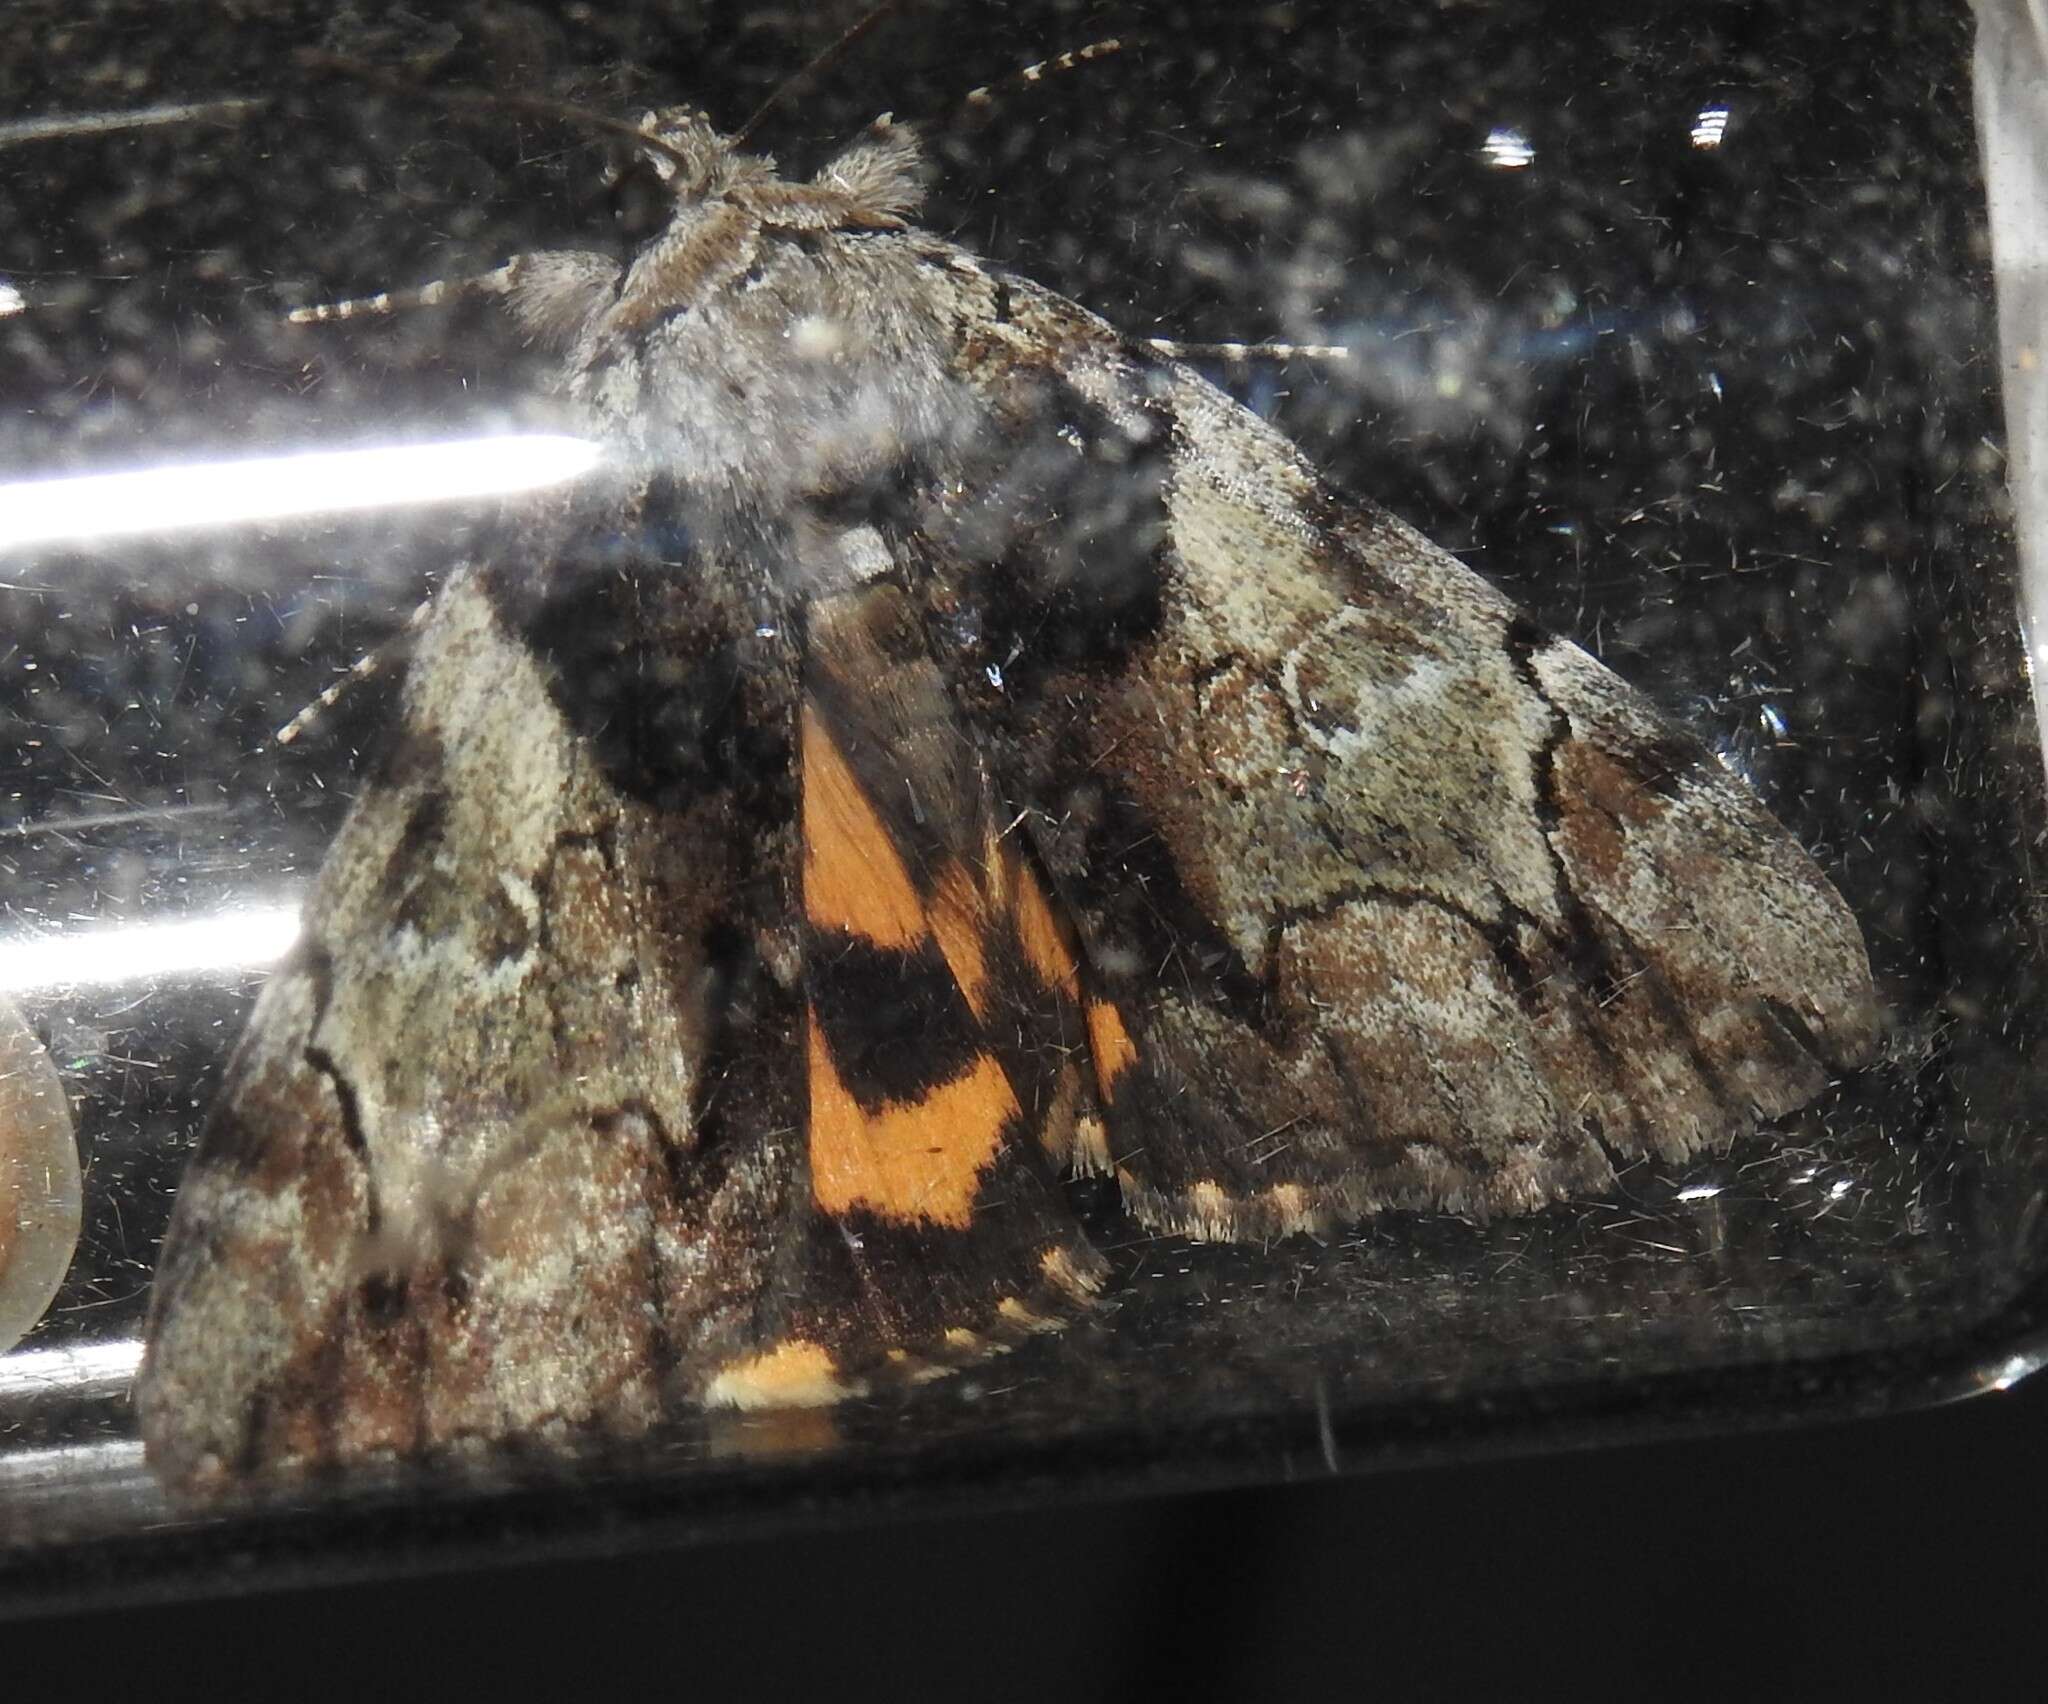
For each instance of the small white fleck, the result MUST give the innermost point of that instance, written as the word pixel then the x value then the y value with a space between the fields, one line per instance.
pixel 1508 149
pixel 816 337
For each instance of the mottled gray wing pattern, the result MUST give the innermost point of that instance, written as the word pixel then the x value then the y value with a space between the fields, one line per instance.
pixel 1386 896
pixel 641 1048
pixel 506 1146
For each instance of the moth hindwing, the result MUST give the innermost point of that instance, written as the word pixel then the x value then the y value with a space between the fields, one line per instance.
pixel 1032 767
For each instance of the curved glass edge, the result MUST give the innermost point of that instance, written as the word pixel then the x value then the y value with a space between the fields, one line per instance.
pixel 2011 90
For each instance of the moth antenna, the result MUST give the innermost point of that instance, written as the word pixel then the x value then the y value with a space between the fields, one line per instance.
pixel 490 100
pixel 497 282
pixel 988 95
pixel 816 68
pixel 365 668
pixel 60 125
pixel 1238 353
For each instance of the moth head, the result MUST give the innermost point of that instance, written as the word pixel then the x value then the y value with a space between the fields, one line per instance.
pixel 686 161
pixel 682 162
pixel 687 154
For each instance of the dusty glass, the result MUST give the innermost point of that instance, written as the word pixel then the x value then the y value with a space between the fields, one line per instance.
pixel 1680 331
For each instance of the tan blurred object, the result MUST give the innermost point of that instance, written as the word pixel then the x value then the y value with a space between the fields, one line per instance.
pixel 39 1179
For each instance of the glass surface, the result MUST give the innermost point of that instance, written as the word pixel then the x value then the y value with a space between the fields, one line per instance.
pixel 1675 324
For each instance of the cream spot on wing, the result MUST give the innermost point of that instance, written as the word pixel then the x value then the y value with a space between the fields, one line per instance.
pixel 1057 1268
pixel 1291 1208
pixel 1089 1153
pixel 1016 1313
pixel 795 1373
pixel 1212 1212
pixel 863 555
pixel 818 337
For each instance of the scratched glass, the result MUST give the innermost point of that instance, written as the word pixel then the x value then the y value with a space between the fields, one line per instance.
pixel 1687 344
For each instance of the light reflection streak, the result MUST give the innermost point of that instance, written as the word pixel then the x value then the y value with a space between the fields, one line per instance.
pixel 68 1468
pixel 78 1369
pixel 2007 1371
pixel 1710 127
pixel 229 940
pixel 209 494
pixel 87 822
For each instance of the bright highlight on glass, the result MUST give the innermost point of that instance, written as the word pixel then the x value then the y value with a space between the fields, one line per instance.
pixel 12 301
pixel 212 494
pixel 134 952
pixel 82 1369
pixel 1710 127
pixel 1508 149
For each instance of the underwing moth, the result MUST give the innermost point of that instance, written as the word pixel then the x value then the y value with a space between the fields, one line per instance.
pixel 999 758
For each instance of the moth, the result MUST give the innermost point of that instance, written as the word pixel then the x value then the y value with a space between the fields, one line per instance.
pixel 952 748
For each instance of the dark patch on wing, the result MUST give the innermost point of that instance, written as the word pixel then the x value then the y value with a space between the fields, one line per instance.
pixel 1064 537
pixel 895 1022
pixel 350 1122
pixel 1112 861
pixel 873 497
pixel 414 757
pixel 666 674
pixel 426 826
pixel 871 1283
pixel 1664 764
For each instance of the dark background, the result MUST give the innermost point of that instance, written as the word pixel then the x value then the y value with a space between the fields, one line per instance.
pixel 1892 1559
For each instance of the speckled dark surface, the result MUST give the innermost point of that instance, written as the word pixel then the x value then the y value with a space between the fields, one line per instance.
pixel 1728 417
